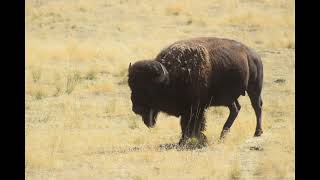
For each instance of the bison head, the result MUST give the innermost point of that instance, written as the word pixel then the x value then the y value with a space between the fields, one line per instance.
pixel 146 80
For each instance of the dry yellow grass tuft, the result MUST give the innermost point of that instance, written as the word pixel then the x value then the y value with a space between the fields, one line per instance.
pixel 103 87
pixel 274 167
pixel 38 91
pixel 175 9
pixel 251 17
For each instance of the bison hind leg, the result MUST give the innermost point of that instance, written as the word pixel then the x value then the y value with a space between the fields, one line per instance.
pixel 234 109
pixel 254 92
pixel 256 102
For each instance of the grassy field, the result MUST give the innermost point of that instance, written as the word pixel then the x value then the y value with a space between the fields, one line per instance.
pixel 79 123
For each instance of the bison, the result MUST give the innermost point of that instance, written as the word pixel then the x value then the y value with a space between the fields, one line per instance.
pixel 191 75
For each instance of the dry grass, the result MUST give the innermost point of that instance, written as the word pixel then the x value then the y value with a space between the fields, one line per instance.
pixel 102 87
pixel 175 9
pixel 79 123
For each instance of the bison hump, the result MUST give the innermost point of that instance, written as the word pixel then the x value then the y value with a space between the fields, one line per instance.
pixel 186 63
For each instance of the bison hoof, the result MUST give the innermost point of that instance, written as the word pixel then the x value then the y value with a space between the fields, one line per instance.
pixel 194 142
pixel 223 134
pixel 182 142
pixel 203 139
pixel 258 133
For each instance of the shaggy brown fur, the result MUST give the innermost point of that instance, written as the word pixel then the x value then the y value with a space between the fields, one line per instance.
pixel 189 76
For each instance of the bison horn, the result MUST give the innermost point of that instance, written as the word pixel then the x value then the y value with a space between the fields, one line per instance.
pixel 165 72
pixel 164 76
pixel 129 65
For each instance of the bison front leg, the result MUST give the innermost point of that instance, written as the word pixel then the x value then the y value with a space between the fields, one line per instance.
pixel 192 126
pixel 184 135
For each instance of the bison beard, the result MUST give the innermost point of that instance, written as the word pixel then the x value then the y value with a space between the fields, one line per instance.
pixel 189 76
pixel 150 119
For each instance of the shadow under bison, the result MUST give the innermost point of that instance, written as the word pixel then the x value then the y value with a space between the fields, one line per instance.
pixel 191 75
